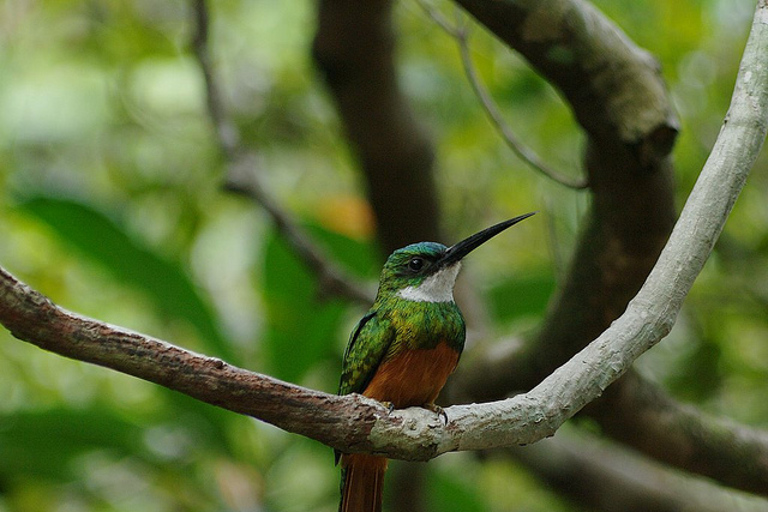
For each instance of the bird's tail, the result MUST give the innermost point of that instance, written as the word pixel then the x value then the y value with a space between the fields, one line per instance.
pixel 362 482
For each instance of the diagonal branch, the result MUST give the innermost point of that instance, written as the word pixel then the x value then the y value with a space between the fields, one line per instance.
pixel 620 100
pixel 242 166
pixel 644 417
pixel 633 410
pixel 353 423
pixel 598 475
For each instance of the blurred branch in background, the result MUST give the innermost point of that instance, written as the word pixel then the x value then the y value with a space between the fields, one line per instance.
pixel 460 32
pixel 354 49
pixel 243 166
pixel 602 476
pixel 607 81
pixel 732 454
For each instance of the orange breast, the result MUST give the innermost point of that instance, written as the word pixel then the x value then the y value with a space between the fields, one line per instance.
pixel 413 377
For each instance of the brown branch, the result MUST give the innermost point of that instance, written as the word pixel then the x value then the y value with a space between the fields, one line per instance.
pixel 32 317
pixel 349 423
pixel 618 97
pixel 642 416
pixel 354 49
pixel 242 167
pixel 635 411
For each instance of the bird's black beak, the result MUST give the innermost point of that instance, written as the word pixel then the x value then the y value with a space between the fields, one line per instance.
pixel 457 251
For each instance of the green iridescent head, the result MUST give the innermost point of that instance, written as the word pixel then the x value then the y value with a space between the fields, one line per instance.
pixel 426 271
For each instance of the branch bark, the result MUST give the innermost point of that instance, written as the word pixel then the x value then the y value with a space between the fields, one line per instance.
pixel 601 476
pixel 354 48
pixel 242 167
pixel 635 411
pixel 354 423
pixel 618 96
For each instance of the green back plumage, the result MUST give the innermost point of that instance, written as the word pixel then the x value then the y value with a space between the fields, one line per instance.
pixel 394 324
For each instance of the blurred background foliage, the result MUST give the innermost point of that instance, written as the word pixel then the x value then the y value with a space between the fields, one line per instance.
pixel 111 204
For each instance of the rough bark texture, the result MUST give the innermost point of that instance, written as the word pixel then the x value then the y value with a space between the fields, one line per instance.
pixel 619 98
pixel 620 101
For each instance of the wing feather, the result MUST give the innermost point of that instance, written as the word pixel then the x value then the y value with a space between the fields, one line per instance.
pixel 368 344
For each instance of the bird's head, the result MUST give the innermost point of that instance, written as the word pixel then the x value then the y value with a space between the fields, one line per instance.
pixel 426 271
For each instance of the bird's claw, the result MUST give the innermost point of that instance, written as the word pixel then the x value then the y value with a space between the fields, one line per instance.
pixel 389 405
pixel 438 410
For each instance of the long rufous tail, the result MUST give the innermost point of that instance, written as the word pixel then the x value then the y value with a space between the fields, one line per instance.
pixel 362 482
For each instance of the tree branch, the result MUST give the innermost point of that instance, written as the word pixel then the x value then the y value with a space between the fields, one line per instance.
pixel 642 416
pixel 350 423
pixel 460 32
pixel 242 166
pixel 354 49
pixel 354 423
pixel 634 411
pixel 602 476
pixel 620 100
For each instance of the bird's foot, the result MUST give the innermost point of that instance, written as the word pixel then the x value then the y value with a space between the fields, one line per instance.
pixel 438 410
pixel 389 405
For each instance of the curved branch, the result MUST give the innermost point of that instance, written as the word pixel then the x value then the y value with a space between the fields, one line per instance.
pixel 634 411
pixel 353 423
pixel 523 152
pixel 620 100
pixel 350 423
pixel 460 33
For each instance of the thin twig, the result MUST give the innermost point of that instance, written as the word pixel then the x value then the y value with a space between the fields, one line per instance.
pixel 460 32
pixel 242 178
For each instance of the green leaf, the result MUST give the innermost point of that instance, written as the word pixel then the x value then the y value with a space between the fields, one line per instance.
pixel 447 492
pixel 108 244
pixel 43 443
pixel 302 327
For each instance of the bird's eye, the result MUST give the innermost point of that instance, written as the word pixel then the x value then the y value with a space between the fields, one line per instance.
pixel 416 264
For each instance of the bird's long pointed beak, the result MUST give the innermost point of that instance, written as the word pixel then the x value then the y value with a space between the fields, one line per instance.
pixel 457 251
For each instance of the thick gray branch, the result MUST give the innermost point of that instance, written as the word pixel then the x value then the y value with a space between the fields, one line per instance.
pixel 356 424
pixel 619 98
pixel 572 464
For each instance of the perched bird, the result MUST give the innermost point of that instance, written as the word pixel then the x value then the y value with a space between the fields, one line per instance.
pixel 403 350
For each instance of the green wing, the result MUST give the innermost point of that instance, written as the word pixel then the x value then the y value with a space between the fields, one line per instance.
pixel 368 344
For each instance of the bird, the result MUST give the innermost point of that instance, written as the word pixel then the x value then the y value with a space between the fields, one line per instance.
pixel 404 348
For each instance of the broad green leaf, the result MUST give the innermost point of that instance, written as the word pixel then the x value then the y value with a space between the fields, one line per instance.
pixel 105 242
pixel 44 443
pixel 302 327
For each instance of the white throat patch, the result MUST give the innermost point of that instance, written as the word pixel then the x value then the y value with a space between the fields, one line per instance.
pixel 436 288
